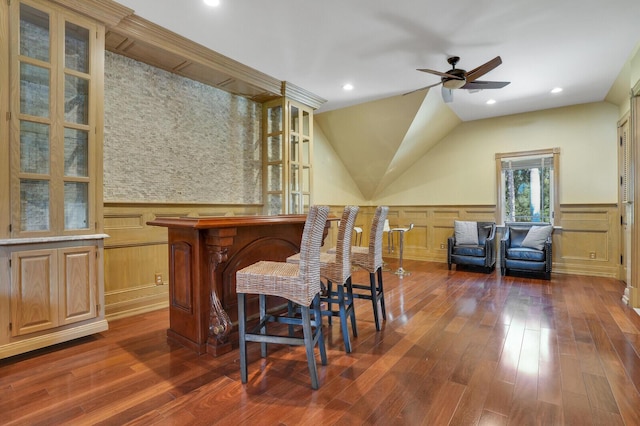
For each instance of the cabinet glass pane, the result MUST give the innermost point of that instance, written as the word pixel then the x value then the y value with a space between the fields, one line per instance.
pixel 274 119
pixel 274 177
pixel 34 33
pixel 295 178
pixel 76 47
pixel 295 121
pixel 76 98
pixel 76 205
pixel 306 118
pixel 274 203
pixel 76 153
pixel 274 148
pixel 306 202
pixel 34 205
pixel 34 90
pixel 34 148
pixel 295 204
pixel 293 154
pixel 306 151
pixel 306 179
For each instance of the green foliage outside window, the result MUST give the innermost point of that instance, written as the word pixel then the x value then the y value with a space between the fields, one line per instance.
pixel 518 203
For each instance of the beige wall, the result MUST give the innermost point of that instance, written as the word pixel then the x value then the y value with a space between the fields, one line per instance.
pixel 635 67
pixel 461 168
pixel 333 185
pixel 456 180
pixel 627 78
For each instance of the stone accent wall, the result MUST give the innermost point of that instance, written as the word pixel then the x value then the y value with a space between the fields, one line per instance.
pixel 169 139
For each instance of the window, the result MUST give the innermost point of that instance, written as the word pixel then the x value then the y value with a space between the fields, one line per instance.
pixel 528 183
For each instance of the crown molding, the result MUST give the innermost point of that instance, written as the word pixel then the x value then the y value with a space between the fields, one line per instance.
pixel 106 11
pixel 297 93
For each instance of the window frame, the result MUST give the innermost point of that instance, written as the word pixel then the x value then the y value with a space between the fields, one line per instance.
pixel 550 152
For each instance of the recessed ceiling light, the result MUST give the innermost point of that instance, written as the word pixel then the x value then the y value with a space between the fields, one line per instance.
pixel 348 86
pixel 491 101
pixel 556 90
pixel 212 3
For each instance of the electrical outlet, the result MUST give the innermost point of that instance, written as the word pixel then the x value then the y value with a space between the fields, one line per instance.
pixel 159 279
pixel 442 246
pixel 592 255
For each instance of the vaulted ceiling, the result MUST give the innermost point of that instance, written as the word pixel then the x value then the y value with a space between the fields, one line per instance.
pixel 376 45
pixel 377 141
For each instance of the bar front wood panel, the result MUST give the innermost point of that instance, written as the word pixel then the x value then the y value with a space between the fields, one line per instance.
pixel 204 255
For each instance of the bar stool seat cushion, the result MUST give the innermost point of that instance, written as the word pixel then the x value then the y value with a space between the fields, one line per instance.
pixel 278 279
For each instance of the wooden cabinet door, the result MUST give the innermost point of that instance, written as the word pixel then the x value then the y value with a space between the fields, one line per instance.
pixel 34 291
pixel 77 284
pixel 52 287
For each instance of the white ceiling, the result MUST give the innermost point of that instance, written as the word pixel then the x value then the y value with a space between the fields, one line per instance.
pixel 579 45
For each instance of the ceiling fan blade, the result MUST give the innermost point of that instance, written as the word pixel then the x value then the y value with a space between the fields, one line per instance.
pixel 422 88
pixel 447 95
pixel 479 85
pixel 441 74
pixel 483 69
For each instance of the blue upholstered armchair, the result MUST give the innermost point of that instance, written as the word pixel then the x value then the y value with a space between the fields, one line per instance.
pixel 526 247
pixel 473 243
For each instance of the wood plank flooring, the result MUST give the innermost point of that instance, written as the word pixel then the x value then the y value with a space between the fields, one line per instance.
pixel 458 348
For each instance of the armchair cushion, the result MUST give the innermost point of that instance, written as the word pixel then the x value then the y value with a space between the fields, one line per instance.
pixel 484 232
pixel 525 253
pixel 537 236
pixel 466 232
pixel 517 236
pixel 468 250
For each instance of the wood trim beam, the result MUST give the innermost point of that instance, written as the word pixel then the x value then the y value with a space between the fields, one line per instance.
pixel 137 28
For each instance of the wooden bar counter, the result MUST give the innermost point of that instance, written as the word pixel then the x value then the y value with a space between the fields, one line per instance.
pixel 204 255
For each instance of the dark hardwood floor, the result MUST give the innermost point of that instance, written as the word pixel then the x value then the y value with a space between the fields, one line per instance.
pixel 458 348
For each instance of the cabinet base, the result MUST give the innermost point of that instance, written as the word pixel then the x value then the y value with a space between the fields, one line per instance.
pixel 53 338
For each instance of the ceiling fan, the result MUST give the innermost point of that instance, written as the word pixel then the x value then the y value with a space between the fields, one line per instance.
pixel 457 78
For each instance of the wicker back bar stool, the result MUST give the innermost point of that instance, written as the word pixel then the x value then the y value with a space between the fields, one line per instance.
pixel 335 267
pixel 370 259
pixel 298 283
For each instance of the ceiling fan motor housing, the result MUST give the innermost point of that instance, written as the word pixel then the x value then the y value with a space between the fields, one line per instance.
pixel 453 83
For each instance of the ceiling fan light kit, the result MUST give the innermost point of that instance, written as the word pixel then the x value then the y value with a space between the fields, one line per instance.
pixel 457 78
pixel 453 84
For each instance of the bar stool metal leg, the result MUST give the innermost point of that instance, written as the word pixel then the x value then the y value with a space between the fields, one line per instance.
pixel 242 325
pixel 401 272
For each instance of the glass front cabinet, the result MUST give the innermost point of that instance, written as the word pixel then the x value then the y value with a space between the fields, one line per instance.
pixel 51 241
pixel 287 154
